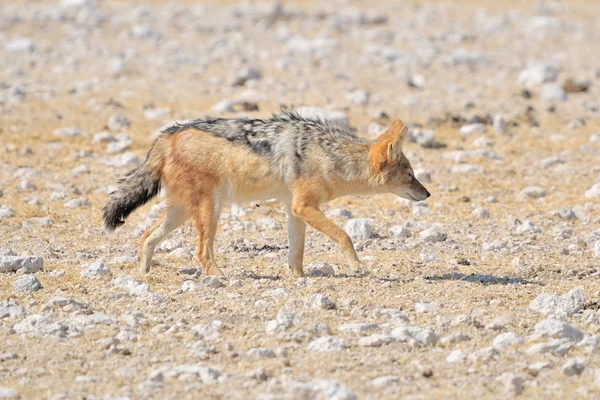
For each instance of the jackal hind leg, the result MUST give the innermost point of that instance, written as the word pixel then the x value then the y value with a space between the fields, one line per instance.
pixel 206 218
pixel 171 219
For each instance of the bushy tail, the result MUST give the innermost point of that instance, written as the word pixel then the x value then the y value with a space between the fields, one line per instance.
pixel 135 189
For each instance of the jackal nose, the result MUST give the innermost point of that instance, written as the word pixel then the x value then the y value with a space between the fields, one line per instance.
pixel 427 194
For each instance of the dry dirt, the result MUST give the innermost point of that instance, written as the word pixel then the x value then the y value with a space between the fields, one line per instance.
pixel 90 62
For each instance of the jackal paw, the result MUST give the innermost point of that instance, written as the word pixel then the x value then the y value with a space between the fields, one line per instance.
pixel 358 268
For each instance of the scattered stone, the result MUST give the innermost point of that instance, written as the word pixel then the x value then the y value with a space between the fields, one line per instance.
pixel 415 335
pixel 28 283
pixel 507 339
pixel 319 269
pixel 6 211
pixel 456 356
pixel 537 74
pixel 359 228
pixel 70 132
pixel 96 270
pixel 433 235
pixel 320 301
pixel 399 231
pixel 534 369
pixel 77 203
pixel 212 282
pixel 559 306
pixel 124 160
pixel 328 344
pixel 513 384
pixel 472 129
pixel 27 264
pixel 375 340
pixel 555 329
pixel 531 192
pixel 575 366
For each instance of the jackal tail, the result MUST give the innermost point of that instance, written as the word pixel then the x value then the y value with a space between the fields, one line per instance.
pixel 136 188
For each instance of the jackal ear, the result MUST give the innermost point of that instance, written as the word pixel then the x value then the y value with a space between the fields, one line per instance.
pixel 388 146
pixel 394 137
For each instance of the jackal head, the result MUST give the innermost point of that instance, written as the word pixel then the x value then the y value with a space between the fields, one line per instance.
pixel 390 166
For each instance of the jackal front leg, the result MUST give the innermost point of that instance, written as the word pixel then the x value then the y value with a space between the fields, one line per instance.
pixel 315 218
pixel 296 233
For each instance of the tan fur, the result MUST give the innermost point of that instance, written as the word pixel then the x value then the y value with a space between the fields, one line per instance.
pixel 203 172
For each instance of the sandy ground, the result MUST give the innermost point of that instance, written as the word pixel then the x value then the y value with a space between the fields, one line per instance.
pixel 91 62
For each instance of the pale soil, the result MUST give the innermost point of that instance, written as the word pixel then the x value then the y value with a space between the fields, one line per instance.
pixel 399 278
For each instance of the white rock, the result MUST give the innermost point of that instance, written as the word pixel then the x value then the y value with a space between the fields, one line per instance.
pixel 507 339
pixel 553 92
pixel 555 329
pixel 596 249
pixel 424 137
pixel 285 320
pixel 76 203
pixel 156 113
pixel 415 335
pixel 319 269
pixel 527 227
pixel 575 366
pixel 493 246
pixel 20 45
pixel 319 113
pixel 500 124
pixel 359 328
pixel 338 213
pixel 531 192
pixel 319 301
pixel 481 212
pixel 8 393
pixel 328 344
pixel 557 305
pixel 118 122
pixel 28 264
pixel 384 381
pixel 223 106
pixel 537 74
pixel 513 383
pixel 212 282
pixel 103 137
pixel 422 308
pixel 70 131
pixel 456 356
pixel 124 160
pixel 591 193
pixel 6 211
pixel 472 129
pixel 466 169
pixel 399 231
pixel 359 228
pixel 28 283
pixel 189 286
pixel 433 235
pixel 96 270
pixel 422 175
pixel 261 352
pixel 210 331
pixel 245 74
pixel 319 389
pixel 595 138
pixel 358 97
pixel 119 146
pixel 534 369
pixel 375 340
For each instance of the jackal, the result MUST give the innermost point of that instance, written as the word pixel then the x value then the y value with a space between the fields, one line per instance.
pixel 207 163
